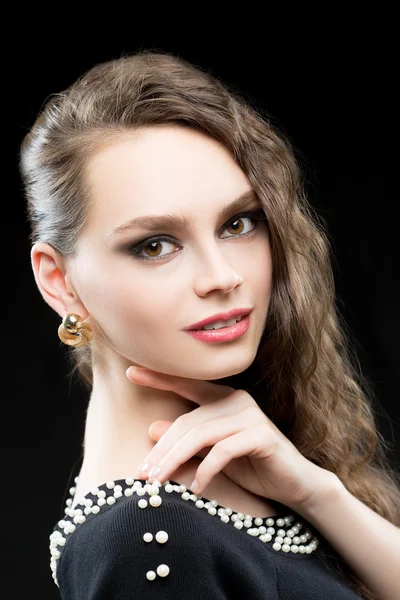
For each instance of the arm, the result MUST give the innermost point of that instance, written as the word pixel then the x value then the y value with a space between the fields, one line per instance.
pixel 367 541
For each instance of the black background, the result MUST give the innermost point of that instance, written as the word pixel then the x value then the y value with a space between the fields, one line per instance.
pixel 332 89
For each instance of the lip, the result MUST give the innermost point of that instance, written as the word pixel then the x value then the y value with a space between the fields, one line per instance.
pixel 225 334
pixel 236 312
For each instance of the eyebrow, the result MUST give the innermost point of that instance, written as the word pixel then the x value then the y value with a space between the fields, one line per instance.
pixel 173 222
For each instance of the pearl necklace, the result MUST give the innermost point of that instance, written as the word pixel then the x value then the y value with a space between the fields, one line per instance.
pixel 285 540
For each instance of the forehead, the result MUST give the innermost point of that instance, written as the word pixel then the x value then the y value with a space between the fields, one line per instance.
pixel 161 169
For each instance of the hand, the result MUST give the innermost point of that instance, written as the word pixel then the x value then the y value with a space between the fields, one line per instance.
pixel 245 444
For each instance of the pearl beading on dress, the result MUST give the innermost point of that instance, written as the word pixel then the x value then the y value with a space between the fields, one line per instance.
pixel 285 540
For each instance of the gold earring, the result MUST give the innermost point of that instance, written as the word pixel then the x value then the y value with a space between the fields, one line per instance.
pixel 74 332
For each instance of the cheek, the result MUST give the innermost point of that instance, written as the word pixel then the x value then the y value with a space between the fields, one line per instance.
pixel 131 304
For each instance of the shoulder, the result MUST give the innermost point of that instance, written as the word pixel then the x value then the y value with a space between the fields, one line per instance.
pixel 152 541
pixel 137 540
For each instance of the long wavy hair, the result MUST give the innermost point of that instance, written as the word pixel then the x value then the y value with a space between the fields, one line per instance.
pixel 305 376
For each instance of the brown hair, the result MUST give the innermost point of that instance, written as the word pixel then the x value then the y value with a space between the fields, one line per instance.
pixel 305 377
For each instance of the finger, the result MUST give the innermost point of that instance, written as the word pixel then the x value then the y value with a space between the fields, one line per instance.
pixel 198 391
pixel 230 448
pixel 185 423
pixel 196 439
pixel 158 428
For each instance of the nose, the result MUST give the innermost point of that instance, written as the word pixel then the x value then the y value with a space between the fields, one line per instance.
pixel 223 277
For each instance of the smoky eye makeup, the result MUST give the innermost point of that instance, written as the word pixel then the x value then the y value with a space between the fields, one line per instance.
pixel 134 247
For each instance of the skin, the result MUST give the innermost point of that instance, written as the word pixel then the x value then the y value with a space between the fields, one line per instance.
pixel 138 308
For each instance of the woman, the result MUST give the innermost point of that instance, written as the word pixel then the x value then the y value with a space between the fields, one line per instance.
pixel 160 203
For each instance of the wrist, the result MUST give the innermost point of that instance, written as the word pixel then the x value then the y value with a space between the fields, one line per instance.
pixel 329 489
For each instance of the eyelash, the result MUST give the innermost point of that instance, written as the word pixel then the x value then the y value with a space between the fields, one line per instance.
pixel 254 215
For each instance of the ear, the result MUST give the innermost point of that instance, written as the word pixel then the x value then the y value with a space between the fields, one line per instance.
pixel 50 271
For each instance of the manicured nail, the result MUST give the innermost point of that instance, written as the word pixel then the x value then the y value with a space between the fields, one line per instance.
pixel 143 467
pixel 194 487
pixel 155 471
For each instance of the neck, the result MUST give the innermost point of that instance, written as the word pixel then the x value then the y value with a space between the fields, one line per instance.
pixel 118 418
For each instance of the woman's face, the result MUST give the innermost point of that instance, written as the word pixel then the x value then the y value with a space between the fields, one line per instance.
pixel 141 303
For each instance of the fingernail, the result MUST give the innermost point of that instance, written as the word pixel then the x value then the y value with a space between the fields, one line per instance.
pixel 142 467
pixel 155 471
pixel 195 486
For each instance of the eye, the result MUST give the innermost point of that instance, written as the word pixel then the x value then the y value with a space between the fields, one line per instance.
pixel 153 245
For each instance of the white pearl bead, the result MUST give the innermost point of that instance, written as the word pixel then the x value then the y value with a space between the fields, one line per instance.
pixel 163 570
pixel 161 537
pixel 148 537
pixel 155 500
pixel 150 575
pixel 225 518
pixel 253 531
pixel 290 533
pixel 287 540
pixel 276 546
pixel 296 540
pixel 247 523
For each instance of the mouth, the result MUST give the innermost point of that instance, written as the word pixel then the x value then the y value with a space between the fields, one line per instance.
pixel 222 331
pixel 220 320
pixel 219 325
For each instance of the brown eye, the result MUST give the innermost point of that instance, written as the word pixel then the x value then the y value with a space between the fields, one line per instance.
pixel 154 251
pixel 235 227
